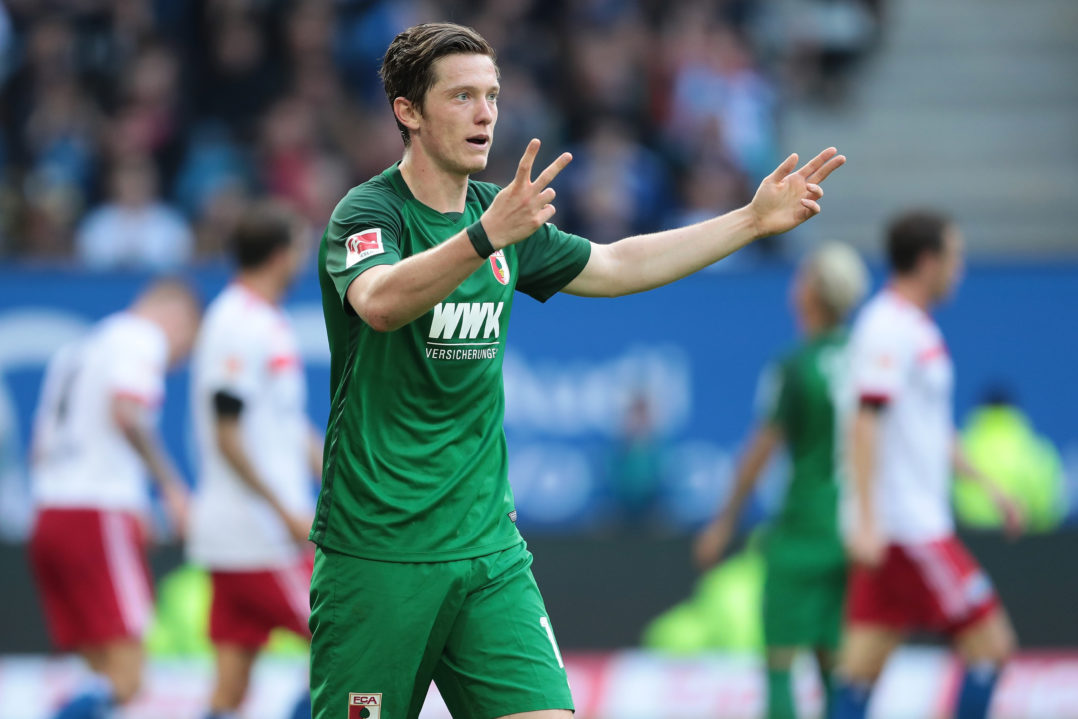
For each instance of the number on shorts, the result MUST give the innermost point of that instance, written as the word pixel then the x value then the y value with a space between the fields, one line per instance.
pixel 545 623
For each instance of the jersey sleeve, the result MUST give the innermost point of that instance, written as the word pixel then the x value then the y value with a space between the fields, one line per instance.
pixel 364 231
pixel 236 363
pixel 879 361
pixel 138 369
pixel 549 260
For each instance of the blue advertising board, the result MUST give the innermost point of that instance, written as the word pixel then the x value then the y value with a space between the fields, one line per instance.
pixel 625 410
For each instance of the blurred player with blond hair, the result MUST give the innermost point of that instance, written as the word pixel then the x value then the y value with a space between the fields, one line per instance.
pixel 258 455
pixel 95 438
pixel 910 571
pixel 802 396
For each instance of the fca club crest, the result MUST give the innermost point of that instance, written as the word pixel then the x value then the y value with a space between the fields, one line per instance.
pixel 364 706
pixel 500 267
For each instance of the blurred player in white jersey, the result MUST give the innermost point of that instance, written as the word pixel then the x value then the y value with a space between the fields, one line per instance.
pixel 258 454
pixel 910 571
pixel 95 437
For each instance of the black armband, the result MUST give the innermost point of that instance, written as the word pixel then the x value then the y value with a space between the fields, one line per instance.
pixel 479 239
pixel 226 404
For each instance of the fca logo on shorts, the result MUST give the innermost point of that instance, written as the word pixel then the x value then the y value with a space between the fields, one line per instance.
pixel 364 706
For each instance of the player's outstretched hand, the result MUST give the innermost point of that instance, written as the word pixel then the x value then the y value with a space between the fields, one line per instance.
pixel 523 206
pixel 711 543
pixel 787 198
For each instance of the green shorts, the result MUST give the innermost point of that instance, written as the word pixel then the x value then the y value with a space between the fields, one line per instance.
pixel 381 631
pixel 804 591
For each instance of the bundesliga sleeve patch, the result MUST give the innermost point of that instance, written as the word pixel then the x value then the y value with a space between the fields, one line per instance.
pixel 362 245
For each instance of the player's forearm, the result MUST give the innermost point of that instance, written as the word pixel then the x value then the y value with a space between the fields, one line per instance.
pixel 644 262
pixel 761 447
pixel 863 464
pixel 137 430
pixel 963 466
pixel 387 297
pixel 230 442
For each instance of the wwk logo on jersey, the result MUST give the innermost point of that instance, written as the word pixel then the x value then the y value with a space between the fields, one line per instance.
pixel 364 706
pixel 465 320
pixel 362 245
pixel 500 267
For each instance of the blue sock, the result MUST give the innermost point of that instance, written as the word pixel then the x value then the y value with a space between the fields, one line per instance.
pixel 93 700
pixel 976 693
pixel 850 699
pixel 302 709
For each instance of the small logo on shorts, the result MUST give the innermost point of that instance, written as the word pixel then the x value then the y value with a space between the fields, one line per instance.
pixel 364 706
pixel 978 589
pixel 513 516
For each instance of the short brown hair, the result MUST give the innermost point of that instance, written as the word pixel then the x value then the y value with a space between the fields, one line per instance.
pixel 264 228
pixel 913 234
pixel 408 66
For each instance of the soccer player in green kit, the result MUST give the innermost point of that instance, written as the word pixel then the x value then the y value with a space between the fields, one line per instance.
pixel 420 572
pixel 804 554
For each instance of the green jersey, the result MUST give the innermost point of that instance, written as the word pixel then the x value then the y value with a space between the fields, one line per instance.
pixel 808 386
pixel 415 462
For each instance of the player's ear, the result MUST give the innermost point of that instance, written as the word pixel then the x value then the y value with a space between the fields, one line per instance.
pixel 407 113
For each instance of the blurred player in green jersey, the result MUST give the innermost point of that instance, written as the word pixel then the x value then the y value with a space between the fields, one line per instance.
pixel 420 572
pixel 805 559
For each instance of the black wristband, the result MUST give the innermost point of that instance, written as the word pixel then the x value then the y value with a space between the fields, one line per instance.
pixel 478 236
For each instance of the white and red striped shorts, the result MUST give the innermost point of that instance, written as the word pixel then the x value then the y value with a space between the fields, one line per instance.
pixel 936 586
pixel 90 567
pixel 247 605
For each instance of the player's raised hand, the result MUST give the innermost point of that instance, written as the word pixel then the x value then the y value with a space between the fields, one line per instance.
pixel 523 206
pixel 786 197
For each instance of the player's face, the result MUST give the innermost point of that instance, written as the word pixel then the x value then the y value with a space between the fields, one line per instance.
pixel 459 112
pixel 951 262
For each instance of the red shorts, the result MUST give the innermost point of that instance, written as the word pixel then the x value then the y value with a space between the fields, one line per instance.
pixel 936 586
pixel 247 606
pixel 90 567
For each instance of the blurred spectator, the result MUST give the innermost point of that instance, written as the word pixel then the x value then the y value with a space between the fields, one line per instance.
pixel 717 92
pixel 647 91
pixel 236 79
pixel 617 187
pixel 636 465
pixel 819 43
pixel 149 121
pixel 134 228
pixel 1000 440
pixel 709 189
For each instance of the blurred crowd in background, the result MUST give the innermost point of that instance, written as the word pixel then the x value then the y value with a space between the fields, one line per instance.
pixel 133 132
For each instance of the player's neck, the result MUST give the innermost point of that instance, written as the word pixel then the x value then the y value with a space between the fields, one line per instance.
pixel 432 185
pixel 262 285
pixel 913 291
